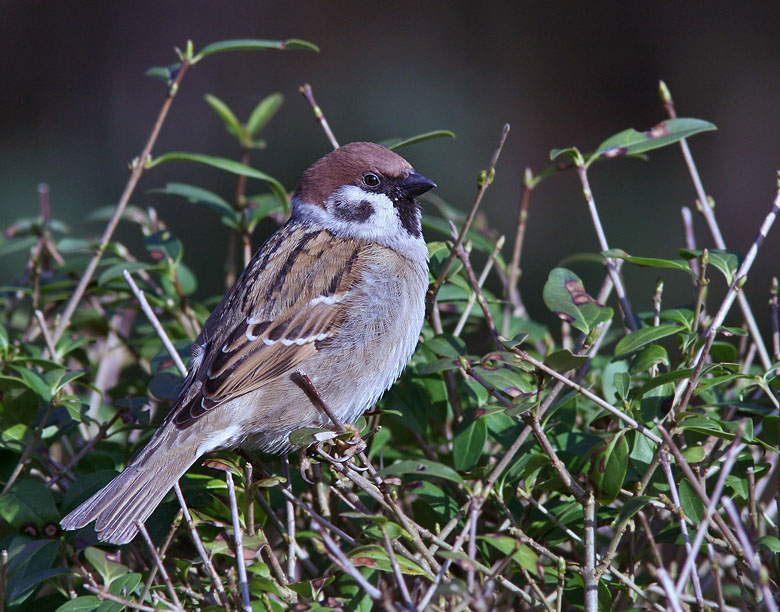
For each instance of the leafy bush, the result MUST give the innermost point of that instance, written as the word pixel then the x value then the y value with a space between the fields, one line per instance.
pixel 631 463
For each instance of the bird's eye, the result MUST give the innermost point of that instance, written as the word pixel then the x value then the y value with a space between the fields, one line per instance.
pixel 371 179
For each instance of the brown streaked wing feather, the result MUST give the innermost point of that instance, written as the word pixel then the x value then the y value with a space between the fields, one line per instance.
pixel 260 346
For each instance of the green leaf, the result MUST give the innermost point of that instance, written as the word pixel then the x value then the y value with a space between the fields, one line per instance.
pixel 648 357
pixel 28 501
pixel 572 152
pixel 642 337
pixel 232 123
pixel 263 113
pixel 468 445
pixel 108 570
pixel 446 345
pixel 198 195
pixel 631 507
pixel 86 603
pixel 608 467
pixel 229 166
pixel 565 295
pixel 164 73
pixel 253 44
pixel 769 542
pixel 28 566
pixel 691 504
pixel 118 270
pixel 562 361
pixel 631 142
pixel 376 557
pixel 164 244
pixel 422 467
pixel 649 262
pixel 695 454
pixel 662 379
pixel 622 382
pixel 726 262
pixel 524 556
pixel 397 143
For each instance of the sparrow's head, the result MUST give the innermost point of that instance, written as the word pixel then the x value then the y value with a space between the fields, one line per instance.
pixel 363 190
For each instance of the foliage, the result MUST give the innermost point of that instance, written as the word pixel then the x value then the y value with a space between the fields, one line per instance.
pixel 506 470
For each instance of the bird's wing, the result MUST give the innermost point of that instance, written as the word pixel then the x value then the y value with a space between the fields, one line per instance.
pixel 276 330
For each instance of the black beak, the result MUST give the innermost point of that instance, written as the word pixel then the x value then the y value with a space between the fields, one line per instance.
pixel 416 184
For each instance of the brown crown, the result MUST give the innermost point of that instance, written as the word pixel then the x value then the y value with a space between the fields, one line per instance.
pixel 346 166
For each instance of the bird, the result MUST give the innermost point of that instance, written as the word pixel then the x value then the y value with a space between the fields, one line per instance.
pixel 335 297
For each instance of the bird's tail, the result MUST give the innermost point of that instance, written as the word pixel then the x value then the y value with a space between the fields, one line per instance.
pixel 136 492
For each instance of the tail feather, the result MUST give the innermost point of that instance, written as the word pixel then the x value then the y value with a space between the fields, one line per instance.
pixel 135 493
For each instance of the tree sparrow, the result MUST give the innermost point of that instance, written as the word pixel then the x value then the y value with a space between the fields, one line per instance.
pixel 337 294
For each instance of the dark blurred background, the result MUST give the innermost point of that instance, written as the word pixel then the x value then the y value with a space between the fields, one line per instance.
pixel 75 108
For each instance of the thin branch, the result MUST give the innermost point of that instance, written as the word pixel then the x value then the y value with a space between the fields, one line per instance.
pixel 739 280
pixel 238 540
pixel 606 406
pixel 568 480
pixel 290 514
pixel 158 328
pixel 346 565
pixel 480 282
pixel 625 306
pixel 215 581
pixel 161 568
pixel 138 167
pixel 305 89
pixel 132 605
pixel 759 577
pixel 515 305
pixel 683 525
pixel 486 179
pixel 589 576
pixel 710 503
pixel 709 216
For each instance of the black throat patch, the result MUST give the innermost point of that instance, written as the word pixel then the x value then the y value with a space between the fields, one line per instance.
pixel 408 213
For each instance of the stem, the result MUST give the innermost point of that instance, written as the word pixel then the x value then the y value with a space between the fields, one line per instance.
pixel 625 307
pixel 138 167
pixel 485 182
pixel 709 216
pixel 238 540
pixel 305 89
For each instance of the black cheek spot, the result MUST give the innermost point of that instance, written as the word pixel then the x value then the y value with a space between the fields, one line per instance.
pixel 360 213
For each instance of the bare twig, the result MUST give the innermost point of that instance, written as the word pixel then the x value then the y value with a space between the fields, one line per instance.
pixel 625 307
pixel 759 578
pixel 138 167
pixel 238 540
pixel 161 568
pixel 605 405
pixel 399 577
pixel 131 605
pixel 589 576
pixel 735 289
pixel 683 526
pixel 515 305
pixel 290 514
pixel 486 178
pixel 709 216
pixel 480 282
pixel 305 89
pixel 710 502
pixel 158 328
pixel 568 481
pixel 346 565
pixel 215 581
